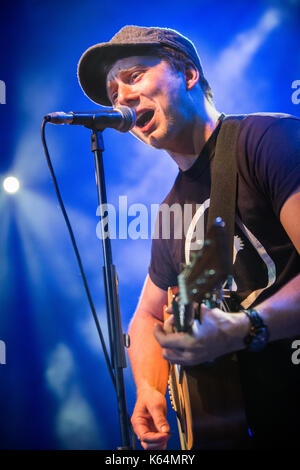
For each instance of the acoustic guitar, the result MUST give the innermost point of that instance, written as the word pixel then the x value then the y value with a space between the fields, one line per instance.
pixel 207 398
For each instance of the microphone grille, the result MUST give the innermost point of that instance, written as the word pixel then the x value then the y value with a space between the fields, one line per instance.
pixel 129 118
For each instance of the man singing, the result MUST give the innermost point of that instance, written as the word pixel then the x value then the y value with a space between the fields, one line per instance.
pixel 157 73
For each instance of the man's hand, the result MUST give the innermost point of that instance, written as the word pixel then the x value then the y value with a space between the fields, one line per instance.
pixel 149 419
pixel 219 333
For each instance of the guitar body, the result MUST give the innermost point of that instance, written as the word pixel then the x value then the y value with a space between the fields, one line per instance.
pixel 208 402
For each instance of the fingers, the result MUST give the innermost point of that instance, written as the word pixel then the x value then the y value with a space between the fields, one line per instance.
pixel 158 413
pixel 182 357
pixel 154 441
pixel 169 325
pixel 174 340
pixel 149 420
pixel 169 309
pixel 179 348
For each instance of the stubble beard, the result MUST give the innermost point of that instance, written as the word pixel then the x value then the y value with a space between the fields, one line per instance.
pixel 164 137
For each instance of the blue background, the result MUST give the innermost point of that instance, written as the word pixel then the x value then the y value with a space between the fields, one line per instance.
pixel 55 391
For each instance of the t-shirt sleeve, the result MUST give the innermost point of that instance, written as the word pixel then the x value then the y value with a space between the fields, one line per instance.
pixel 162 271
pixel 277 161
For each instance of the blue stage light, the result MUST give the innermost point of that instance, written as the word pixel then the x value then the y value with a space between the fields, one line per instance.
pixel 11 184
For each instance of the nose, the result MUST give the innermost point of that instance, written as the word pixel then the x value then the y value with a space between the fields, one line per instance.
pixel 127 96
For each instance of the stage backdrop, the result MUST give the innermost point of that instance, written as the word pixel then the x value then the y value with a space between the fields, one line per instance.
pixel 55 390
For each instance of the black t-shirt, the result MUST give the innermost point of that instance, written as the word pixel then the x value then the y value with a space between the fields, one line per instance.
pixel 268 163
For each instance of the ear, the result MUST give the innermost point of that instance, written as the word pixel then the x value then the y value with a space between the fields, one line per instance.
pixel 191 75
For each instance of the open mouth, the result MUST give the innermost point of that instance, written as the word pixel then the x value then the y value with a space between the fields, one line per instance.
pixel 144 119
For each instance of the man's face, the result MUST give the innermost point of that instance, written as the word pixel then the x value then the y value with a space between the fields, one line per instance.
pixel 158 95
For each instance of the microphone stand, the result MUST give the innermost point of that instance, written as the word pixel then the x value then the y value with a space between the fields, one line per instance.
pixel 117 339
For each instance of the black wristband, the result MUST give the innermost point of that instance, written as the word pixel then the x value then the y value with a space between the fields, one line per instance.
pixel 257 338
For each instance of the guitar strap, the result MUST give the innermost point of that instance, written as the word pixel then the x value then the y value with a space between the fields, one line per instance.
pixel 224 177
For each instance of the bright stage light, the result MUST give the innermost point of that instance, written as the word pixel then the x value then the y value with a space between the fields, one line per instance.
pixel 11 184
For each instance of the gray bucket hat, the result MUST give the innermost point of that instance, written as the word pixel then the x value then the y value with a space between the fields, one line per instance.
pixel 95 62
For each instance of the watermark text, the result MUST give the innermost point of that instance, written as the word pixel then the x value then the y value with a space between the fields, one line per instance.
pixel 296 93
pixel 296 354
pixel 2 352
pixel 138 221
pixel 2 92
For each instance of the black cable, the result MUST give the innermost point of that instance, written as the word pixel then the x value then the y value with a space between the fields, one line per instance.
pixel 65 215
pixel 77 254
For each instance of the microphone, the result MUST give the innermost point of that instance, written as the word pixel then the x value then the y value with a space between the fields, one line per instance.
pixel 121 118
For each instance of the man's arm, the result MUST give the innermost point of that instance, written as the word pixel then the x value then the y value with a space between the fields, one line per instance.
pixel 149 368
pixel 290 218
pixel 282 310
pixel 222 332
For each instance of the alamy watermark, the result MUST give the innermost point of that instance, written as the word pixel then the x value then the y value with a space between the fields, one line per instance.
pixel 2 92
pixel 296 354
pixel 296 93
pixel 2 352
pixel 138 221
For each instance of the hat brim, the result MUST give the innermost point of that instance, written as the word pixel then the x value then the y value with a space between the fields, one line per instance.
pixel 95 63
